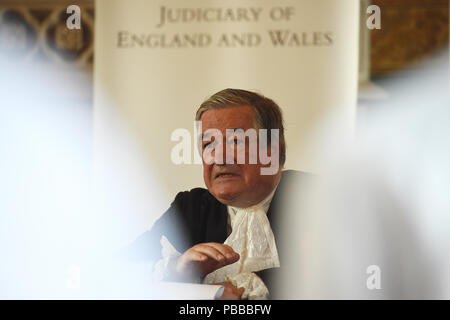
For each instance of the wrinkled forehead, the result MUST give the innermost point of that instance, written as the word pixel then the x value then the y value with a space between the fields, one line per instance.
pixel 235 117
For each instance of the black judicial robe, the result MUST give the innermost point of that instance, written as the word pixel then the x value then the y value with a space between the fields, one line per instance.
pixel 195 217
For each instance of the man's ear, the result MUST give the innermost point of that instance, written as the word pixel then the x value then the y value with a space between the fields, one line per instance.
pixel 269 153
pixel 198 142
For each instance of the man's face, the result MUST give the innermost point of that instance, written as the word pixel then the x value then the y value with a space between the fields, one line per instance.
pixel 239 185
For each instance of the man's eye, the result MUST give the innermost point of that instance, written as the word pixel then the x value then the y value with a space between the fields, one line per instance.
pixel 208 144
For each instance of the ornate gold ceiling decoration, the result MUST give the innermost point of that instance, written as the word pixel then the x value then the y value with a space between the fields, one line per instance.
pixel 36 31
pixel 410 31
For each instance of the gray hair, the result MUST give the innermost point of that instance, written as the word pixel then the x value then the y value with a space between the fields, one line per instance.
pixel 267 113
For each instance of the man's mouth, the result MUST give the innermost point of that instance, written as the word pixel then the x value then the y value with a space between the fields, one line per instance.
pixel 225 175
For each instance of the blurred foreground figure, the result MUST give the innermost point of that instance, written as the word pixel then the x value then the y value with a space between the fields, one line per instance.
pixel 377 224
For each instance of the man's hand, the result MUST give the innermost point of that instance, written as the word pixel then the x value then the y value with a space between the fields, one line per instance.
pixel 230 292
pixel 202 259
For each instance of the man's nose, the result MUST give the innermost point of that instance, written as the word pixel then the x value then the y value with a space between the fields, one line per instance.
pixel 220 153
pixel 220 156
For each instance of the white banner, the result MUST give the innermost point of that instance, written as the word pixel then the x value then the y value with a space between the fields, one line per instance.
pixel 156 61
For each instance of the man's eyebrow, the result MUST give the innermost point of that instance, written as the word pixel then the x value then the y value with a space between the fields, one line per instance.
pixel 207 134
pixel 236 129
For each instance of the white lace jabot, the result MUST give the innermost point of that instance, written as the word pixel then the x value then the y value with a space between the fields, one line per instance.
pixel 253 239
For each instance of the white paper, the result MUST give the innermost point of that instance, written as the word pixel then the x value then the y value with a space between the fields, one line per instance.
pixel 187 291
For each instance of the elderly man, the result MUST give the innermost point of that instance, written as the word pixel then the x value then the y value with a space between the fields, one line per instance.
pixel 227 233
